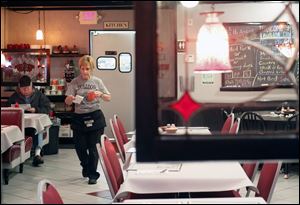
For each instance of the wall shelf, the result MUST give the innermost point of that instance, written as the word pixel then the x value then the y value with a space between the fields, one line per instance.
pixel 67 55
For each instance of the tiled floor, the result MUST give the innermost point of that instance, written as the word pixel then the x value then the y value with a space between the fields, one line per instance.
pixel 65 172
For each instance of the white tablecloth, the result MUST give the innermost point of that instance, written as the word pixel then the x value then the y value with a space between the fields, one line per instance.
pixel 130 144
pixel 192 177
pixel 37 121
pixel 188 130
pixel 9 135
pixel 227 200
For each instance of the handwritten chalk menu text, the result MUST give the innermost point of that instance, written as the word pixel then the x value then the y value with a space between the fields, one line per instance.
pixel 253 68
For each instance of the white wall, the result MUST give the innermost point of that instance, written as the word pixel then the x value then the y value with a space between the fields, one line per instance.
pixel 235 12
pixel 2 27
pixel 62 28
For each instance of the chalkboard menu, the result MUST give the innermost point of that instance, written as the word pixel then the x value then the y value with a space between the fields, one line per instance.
pixel 253 68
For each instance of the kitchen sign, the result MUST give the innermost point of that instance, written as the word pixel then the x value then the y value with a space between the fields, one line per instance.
pixel 116 25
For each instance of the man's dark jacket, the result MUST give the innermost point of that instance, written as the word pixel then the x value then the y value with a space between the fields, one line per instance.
pixel 38 100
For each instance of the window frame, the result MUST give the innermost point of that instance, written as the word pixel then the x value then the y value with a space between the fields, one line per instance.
pixel 111 57
pixel 149 144
pixel 119 62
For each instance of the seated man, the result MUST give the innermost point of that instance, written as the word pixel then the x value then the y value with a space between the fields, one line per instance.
pixel 39 103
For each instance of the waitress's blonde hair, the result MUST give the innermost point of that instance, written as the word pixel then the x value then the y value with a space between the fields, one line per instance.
pixel 87 60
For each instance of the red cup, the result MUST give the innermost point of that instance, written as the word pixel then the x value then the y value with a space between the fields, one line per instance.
pixel 91 96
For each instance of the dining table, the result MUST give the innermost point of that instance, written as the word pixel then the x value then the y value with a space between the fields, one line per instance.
pixel 176 177
pixel 38 121
pixel 186 131
pixel 220 200
pixel 10 134
pixel 275 120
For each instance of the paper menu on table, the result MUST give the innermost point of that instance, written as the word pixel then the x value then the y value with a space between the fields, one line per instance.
pixel 155 166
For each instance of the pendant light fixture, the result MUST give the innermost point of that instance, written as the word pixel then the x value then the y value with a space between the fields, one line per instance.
pixel 189 4
pixel 212 46
pixel 39 32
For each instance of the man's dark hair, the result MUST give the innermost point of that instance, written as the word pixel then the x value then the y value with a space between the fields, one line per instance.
pixel 24 81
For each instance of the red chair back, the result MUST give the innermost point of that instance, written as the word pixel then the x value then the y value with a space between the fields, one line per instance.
pixel 110 176
pixel 267 180
pixel 12 116
pixel 235 127
pixel 51 196
pixel 114 161
pixel 121 129
pixel 47 193
pixel 118 138
pixel 228 124
pixel 250 169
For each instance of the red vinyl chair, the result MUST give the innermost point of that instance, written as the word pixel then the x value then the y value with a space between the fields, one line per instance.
pixel 108 172
pixel 113 159
pixel 251 170
pixel 266 184
pixel 118 138
pixel 228 124
pixel 235 127
pixel 114 175
pixel 267 180
pixel 121 129
pixel 47 193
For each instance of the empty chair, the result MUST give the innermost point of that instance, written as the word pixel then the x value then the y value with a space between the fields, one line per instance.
pixel 235 127
pixel 267 180
pixel 117 135
pixel 266 184
pixel 114 175
pixel 47 193
pixel 108 172
pixel 252 122
pixel 113 159
pixel 291 125
pixel 228 124
pixel 121 129
pixel 251 170
pixel 111 166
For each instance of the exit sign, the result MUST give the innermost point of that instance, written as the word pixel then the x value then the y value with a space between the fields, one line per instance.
pixel 88 17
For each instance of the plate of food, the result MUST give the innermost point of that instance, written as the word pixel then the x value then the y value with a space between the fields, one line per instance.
pixel 169 128
pixel 287 111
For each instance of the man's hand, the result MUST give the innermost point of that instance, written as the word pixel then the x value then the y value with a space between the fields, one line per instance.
pixel 32 110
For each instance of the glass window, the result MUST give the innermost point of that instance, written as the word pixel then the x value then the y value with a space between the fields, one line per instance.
pixel 125 62
pixel 106 63
pixel 202 120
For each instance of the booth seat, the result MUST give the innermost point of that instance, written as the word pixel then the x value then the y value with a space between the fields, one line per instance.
pixel 19 152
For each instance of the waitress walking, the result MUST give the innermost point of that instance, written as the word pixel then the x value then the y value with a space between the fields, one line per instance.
pixel 88 122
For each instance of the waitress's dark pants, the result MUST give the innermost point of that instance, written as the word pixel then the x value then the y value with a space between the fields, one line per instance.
pixel 85 145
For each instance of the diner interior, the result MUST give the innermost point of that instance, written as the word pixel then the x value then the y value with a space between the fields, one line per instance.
pixel 204 101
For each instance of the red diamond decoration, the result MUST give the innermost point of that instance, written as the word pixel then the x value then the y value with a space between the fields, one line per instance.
pixel 186 106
